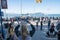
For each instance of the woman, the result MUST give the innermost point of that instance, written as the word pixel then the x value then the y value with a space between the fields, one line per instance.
pixel 24 34
pixel 58 30
pixel 11 34
pixel 5 30
pixel 52 30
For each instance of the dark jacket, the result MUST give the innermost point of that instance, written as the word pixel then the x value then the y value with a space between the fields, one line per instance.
pixel 17 31
pixel 58 35
pixel 31 32
pixel 58 26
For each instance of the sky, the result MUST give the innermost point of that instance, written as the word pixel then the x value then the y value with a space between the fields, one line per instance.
pixel 30 6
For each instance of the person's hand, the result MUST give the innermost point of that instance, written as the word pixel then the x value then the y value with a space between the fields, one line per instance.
pixel 27 21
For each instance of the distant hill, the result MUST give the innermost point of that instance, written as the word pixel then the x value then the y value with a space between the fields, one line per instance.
pixel 32 15
pixel 37 15
pixel 11 15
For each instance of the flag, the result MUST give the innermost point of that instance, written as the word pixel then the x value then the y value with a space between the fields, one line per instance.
pixel 39 1
pixel 4 4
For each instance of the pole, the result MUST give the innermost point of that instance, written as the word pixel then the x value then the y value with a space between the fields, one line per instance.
pixel 1 23
pixel 0 19
pixel 21 15
pixel 21 7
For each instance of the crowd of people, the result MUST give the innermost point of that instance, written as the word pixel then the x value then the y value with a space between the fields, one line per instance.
pixel 53 30
pixel 11 33
pixel 20 32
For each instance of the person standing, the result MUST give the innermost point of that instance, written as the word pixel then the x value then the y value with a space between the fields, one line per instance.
pixel 41 25
pixel 58 29
pixel 11 34
pixel 37 25
pixel 52 30
pixel 49 22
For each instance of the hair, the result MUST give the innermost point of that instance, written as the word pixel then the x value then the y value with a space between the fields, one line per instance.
pixel 52 24
pixel 24 31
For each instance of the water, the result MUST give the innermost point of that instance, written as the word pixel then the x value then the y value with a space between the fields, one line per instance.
pixel 32 15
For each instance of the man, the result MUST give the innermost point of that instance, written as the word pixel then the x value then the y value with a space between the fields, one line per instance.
pixel 58 29
pixel 41 25
pixel 49 22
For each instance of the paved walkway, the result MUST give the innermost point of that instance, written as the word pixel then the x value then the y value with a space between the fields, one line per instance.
pixel 41 35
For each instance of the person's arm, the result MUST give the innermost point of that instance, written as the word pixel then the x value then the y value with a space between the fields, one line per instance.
pixel 16 30
pixel 58 26
pixel 33 29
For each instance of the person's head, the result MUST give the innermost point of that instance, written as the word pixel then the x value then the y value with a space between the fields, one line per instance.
pixel 6 25
pixel 52 24
pixel 24 31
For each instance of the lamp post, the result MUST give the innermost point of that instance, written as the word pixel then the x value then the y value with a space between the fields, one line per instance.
pixel 21 7
pixel 0 19
pixel 0 15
